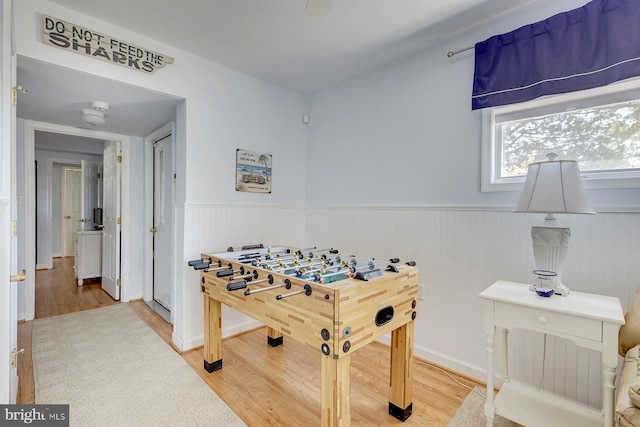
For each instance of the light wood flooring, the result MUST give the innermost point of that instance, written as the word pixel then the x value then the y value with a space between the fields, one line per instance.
pixel 265 386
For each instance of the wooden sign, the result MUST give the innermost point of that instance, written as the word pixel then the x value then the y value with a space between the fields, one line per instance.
pixel 83 41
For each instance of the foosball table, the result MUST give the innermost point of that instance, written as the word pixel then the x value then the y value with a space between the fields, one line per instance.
pixel 332 302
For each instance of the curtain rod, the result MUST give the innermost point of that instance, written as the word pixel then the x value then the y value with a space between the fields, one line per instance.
pixel 455 52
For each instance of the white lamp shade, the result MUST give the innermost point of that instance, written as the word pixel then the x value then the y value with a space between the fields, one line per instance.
pixel 553 187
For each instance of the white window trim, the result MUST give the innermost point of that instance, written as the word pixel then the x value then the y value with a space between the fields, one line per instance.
pixel 491 157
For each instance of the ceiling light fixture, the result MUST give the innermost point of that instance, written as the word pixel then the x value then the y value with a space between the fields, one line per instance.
pixel 95 116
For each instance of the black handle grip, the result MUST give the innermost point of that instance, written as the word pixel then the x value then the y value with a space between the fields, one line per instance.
pixel 411 263
pixel 201 266
pixel 236 285
pixel 224 273
pixel 194 262
pixel 394 260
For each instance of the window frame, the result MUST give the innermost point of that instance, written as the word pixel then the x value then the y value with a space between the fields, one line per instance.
pixel 491 150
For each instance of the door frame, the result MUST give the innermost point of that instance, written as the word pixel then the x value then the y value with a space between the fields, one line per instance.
pixel 30 129
pixel 147 291
pixel 8 206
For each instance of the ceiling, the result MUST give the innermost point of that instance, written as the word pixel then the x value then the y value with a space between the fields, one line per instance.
pixel 58 95
pixel 274 40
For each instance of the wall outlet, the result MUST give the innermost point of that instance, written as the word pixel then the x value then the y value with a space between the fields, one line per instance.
pixel 420 292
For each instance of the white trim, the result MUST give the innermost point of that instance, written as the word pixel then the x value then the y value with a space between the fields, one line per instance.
pixel 245 205
pixel 491 153
pixel 30 128
pixel 476 208
pixel 470 208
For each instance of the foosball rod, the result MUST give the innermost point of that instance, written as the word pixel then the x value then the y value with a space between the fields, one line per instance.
pixel 245 276
pixel 343 271
pixel 306 291
pixel 329 269
pixel 314 261
pixel 277 260
pixel 286 284
pixel 241 285
pixel 206 266
pixel 311 254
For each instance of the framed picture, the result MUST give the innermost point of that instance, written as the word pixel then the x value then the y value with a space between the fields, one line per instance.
pixel 253 171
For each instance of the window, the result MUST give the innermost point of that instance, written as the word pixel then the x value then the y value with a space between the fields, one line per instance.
pixel 600 128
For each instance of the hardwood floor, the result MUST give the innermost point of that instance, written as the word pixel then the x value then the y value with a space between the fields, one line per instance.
pixel 265 386
pixel 57 291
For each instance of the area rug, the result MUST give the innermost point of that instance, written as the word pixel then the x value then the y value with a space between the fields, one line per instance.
pixel 114 370
pixel 471 412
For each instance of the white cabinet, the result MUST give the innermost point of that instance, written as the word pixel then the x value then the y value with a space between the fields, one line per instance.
pixel 591 321
pixel 88 254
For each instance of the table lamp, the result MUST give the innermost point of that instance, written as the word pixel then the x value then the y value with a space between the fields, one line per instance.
pixel 553 187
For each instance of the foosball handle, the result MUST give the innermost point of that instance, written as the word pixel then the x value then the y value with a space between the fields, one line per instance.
pixel 411 263
pixel 224 273
pixel 201 266
pixel 394 260
pixel 236 286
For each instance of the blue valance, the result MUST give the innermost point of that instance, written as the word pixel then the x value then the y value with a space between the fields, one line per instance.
pixel 591 46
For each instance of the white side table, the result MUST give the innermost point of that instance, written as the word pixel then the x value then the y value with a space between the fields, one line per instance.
pixel 591 321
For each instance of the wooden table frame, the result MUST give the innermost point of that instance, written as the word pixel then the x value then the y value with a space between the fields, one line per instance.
pixel 337 319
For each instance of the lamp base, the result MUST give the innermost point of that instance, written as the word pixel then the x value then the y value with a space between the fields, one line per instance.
pixel 550 246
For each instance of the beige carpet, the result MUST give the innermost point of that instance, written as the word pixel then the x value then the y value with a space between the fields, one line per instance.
pixel 471 412
pixel 113 370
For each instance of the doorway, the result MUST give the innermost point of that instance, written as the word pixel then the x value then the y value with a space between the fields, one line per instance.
pixel 160 182
pixel 31 128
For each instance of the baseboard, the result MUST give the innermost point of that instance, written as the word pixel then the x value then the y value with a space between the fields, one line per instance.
pixel 474 372
pixel 198 341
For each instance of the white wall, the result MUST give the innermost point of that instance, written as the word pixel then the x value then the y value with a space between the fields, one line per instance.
pixel 395 159
pixel 138 231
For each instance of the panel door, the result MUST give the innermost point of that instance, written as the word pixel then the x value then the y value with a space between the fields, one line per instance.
pixel 111 220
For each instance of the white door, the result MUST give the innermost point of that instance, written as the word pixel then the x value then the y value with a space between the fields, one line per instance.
pixel 8 211
pixel 71 206
pixel 111 220
pixel 90 191
pixel 162 221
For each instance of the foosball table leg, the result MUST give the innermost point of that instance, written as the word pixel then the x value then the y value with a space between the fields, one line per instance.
pixel 400 392
pixel 274 337
pixel 212 335
pixel 336 390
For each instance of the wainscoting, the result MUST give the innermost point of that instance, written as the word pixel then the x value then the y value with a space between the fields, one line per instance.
pixel 459 252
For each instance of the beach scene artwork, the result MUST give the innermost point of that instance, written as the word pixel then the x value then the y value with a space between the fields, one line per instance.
pixel 253 171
